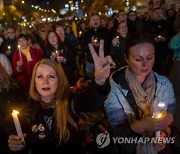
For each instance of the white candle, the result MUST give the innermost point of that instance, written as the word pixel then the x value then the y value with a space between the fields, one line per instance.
pixel 158 133
pixel 17 123
pixel 161 107
pixel 20 52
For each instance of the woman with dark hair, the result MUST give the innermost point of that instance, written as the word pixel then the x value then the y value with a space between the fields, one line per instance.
pixel 69 34
pixel 24 60
pixel 136 97
pixel 62 54
pixel 118 45
pixel 52 108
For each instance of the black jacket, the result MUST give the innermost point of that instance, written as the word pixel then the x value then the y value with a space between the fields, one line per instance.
pixel 100 33
pixel 41 134
pixel 13 99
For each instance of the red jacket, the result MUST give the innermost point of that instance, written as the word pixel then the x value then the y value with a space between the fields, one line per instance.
pixel 24 77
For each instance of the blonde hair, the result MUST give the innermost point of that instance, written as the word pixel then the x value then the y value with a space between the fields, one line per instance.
pixel 61 112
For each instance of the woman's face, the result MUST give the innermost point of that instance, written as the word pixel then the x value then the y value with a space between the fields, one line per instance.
pixel 123 29
pixel 52 38
pixel 60 31
pixel 141 60
pixel 68 30
pixel 23 43
pixel 46 82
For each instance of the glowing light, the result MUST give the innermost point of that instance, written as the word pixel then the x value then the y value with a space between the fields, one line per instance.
pixel 15 112
pixel 161 104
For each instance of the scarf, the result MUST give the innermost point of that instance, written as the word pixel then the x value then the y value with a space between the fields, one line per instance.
pixel 143 94
pixel 26 52
pixel 144 97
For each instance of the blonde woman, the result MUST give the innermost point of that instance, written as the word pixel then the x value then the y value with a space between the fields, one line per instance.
pixel 53 122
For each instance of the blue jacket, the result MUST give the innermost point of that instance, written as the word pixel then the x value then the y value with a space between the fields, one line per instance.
pixel 121 108
pixel 174 44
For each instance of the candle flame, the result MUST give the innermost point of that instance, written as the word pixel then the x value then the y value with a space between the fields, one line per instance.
pixel 9 47
pixel 159 115
pixel 161 104
pixel 18 46
pixel 15 112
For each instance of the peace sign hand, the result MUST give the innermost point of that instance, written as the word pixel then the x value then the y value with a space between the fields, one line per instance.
pixel 102 64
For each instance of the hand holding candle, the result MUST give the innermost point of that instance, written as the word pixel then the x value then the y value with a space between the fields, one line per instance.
pixel 8 51
pixel 56 53
pixel 9 47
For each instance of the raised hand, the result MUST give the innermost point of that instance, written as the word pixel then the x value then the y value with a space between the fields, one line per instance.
pixel 102 64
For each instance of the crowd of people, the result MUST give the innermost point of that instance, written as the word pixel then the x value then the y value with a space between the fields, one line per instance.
pixel 122 66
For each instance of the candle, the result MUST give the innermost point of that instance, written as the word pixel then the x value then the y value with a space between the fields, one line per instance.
pixel 80 32
pixel 56 53
pixel 20 52
pixel 95 40
pixel 17 123
pixel 158 133
pixel 161 112
pixel 9 47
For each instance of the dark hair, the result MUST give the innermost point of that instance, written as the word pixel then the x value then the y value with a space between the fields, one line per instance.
pixel 132 11
pixel 94 14
pixel 23 36
pixel 121 11
pixel 157 8
pixel 52 31
pixel 137 38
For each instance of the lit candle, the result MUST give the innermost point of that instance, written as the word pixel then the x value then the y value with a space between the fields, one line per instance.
pixel 161 113
pixel 158 133
pixel 9 47
pixel 17 123
pixel 20 52
pixel 95 40
pixel 117 37
pixel 80 32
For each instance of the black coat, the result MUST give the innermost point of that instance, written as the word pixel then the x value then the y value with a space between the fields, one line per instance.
pixel 100 33
pixel 13 99
pixel 41 134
